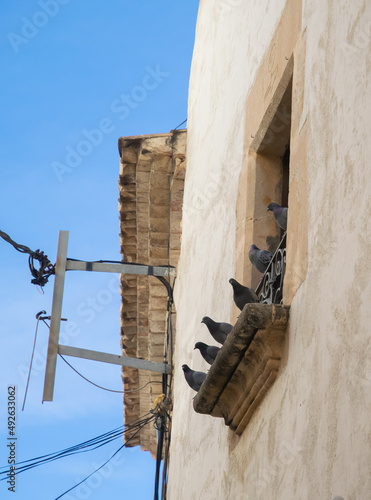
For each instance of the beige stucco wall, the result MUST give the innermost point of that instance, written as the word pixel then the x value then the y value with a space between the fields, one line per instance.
pixel 311 437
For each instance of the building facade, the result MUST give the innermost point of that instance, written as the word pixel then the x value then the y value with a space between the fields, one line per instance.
pixel 279 111
pixel 151 182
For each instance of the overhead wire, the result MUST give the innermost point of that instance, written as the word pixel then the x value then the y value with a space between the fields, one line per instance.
pixel 170 340
pixel 41 277
pixel 96 470
pixel 46 268
pixel 167 436
pixel 87 477
pixel 83 447
pixel 80 374
pixel 38 318
pixel 104 388
pixel 116 262
pixel 101 466
pixel 164 437
pixel 150 271
pixel 180 124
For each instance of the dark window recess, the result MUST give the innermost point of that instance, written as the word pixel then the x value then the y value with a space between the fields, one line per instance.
pixel 270 287
pixel 285 177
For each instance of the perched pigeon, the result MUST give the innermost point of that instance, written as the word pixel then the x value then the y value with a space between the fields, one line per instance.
pixel 208 352
pixel 280 214
pixel 242 294
pixel 194 379
pixel 260 258
pixel 219 331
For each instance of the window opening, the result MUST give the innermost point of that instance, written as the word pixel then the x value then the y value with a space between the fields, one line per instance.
pixel 273 173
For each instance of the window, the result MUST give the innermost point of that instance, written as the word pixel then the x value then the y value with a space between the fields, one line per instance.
pixel 273 173
pixel 275 159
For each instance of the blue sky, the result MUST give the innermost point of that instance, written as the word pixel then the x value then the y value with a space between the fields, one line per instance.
pixel 76 76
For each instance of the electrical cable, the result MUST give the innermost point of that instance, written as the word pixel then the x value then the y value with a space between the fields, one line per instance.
pixel 160 278
pixel 96 470
pixel 38 318
pixel 83 447
pixel 180 124
pixel 116 262
pixel 46 269
pixel 104 388
pixel 168 436
pixel 169 355
pixel 80 374
pixel 17 246
pixel 168 350
pixel 158 458
pixel 165 466
pixel 110 435
pixel 100 467
pixel 57 456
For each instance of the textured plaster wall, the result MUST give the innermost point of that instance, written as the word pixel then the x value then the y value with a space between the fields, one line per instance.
pixel 311 437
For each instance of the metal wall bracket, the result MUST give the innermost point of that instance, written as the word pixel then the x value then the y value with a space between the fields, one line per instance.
pixel 125 268
pixel 54 348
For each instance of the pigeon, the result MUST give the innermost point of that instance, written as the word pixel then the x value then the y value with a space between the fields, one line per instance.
pixel 208 352
pixel 219 331
pixel 280 214
pixel 194 379
pixel 260 258
pixel 242 294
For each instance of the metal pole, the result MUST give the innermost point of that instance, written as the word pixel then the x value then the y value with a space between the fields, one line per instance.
pixel 55 321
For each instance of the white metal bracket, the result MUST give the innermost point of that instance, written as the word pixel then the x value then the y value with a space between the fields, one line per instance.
pixel 54 348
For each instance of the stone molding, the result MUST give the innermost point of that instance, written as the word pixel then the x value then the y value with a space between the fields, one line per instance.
pixel 151 181
pixel 246 366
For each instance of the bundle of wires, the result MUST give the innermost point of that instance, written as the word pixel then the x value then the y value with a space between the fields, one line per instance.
pixel 92 444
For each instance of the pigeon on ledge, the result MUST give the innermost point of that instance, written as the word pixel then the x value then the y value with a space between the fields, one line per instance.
pixel 194 379
pixel 208 352
pixel 242 295
pixel 280 214
pixel 219 331
pixel 260 258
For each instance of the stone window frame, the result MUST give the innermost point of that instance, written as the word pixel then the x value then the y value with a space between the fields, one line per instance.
pixel 259 183
pixel 269 156
pixel 251 358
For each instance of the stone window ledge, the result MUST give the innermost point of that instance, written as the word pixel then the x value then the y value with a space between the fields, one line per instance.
pixel 246 366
